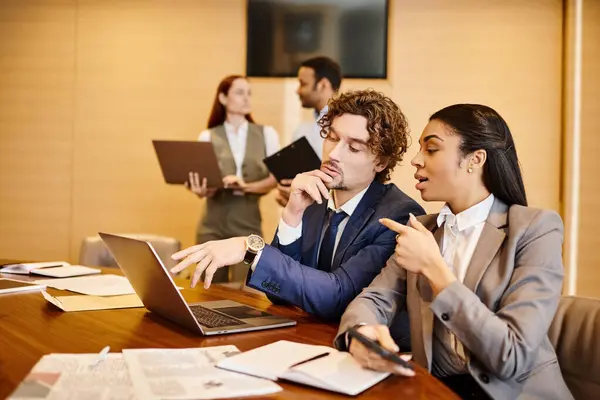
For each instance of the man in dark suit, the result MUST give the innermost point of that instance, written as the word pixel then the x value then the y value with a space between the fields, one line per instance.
pixel 329 244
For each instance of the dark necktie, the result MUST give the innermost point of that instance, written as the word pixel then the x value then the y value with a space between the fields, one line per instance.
pixel 328 243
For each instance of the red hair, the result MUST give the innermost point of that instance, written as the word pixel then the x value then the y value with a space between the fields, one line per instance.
pixel 218 113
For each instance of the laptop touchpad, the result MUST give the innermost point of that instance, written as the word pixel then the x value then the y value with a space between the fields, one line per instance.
pixel 242 312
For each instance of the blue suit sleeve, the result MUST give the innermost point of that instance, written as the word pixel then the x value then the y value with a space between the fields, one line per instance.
pixel 324 294
pixel 293 250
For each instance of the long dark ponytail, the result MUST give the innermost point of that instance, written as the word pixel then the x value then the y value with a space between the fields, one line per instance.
pixel 482 128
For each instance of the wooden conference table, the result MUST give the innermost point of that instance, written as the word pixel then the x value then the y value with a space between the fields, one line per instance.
pixel 30 327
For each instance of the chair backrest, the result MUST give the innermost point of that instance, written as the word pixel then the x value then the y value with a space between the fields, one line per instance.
pixel 95 253
pixel 575 334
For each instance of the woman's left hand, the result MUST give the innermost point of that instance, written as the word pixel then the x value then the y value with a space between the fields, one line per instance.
pixel 416 248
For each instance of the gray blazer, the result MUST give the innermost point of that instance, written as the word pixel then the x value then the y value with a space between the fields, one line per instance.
pixel 501 312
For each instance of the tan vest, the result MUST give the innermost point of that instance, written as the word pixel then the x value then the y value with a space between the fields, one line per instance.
pixel 228 215
pixel 253 167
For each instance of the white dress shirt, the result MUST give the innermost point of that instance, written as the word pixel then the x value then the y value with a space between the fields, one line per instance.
pixel 237 142
pixel 287 234
pixel 461 234
pixel 312 131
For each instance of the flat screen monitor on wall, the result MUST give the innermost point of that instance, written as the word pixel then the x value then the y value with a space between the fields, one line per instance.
pixel 283 33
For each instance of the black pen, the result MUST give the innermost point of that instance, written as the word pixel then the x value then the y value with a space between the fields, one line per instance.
pixel 376 347
pixel 310 359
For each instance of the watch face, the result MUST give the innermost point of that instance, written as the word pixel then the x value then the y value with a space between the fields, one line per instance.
pixel 255 243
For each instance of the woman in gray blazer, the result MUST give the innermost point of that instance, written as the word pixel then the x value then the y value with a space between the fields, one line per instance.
pixel 481 280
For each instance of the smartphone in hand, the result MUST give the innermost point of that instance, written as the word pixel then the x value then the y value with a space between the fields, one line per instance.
pixel 374 346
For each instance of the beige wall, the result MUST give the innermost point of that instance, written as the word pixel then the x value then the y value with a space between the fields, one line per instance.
pixel 506 54
pixel 86 85
pixel 37 96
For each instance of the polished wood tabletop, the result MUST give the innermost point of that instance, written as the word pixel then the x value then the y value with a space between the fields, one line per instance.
pixel 30 327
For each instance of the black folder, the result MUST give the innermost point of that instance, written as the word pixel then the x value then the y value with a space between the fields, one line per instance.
pixel 292 160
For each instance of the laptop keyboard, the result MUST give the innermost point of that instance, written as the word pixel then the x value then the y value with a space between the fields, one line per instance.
pixel 213 319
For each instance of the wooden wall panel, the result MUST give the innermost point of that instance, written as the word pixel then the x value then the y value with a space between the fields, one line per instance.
pixel 146 70
pixel 588 283
pixel 36 127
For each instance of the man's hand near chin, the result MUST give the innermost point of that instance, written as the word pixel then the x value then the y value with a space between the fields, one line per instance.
pixel 306 188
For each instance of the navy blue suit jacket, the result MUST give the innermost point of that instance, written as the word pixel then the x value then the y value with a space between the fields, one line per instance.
pixel 290 272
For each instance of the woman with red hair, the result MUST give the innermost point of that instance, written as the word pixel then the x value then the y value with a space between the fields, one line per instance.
pixel 240 146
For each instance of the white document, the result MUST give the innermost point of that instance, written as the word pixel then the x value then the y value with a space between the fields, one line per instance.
pixel 26 268
pixel 100 285
pixel 66 271
pixel 74 376
pixel 319 366
pixel 190 374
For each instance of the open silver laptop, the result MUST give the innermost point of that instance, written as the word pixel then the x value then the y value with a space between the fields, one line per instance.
pixel 154 285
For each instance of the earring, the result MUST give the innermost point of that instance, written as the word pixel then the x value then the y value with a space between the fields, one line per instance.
pixel 470 170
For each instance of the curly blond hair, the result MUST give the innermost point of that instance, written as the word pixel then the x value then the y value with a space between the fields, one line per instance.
pixel 387 126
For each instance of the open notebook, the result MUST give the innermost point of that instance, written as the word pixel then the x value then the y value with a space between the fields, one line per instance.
pixel 54 269
pixel 319 366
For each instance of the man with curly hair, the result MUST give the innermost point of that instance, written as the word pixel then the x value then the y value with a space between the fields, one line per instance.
pixel 329 244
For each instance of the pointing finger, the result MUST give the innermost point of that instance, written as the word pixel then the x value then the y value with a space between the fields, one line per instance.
pixel 395 226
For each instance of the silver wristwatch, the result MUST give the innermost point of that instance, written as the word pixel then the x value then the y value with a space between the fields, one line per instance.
pixel 254 244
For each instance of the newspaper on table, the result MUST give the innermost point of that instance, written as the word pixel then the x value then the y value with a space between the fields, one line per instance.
pixel 77 376
pixel 140 374
pixel 171 374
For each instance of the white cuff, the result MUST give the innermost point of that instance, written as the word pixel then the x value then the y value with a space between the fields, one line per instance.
pixel 255 262
pixel 287 234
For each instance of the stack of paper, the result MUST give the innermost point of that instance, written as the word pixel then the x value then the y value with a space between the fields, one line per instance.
pixel 103 292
